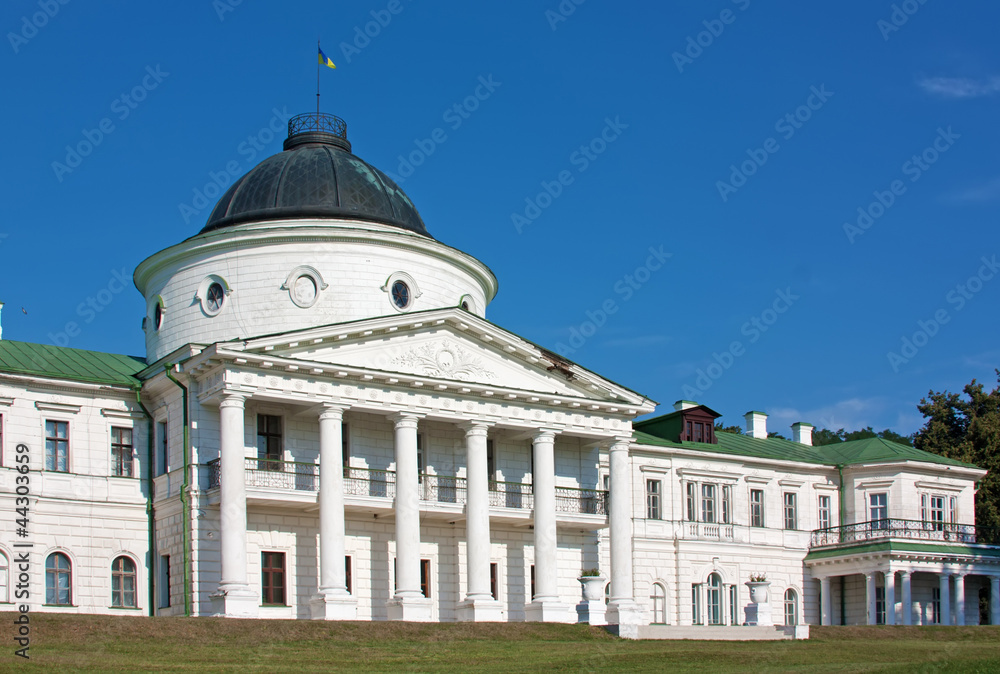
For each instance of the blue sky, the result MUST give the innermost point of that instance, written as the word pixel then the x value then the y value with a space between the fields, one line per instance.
pixel 701 170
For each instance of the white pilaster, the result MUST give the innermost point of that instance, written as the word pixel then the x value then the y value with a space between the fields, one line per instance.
pixel 945 585
pixel 545 606
pixel 826 614
pixel 870 598
pixel 623 610
pixel 408 602
pixel 332 602
pixel 234 598
pixel 907 600
pixel 890 597
pixel 959 598
pixel 995 600
pixel 479 605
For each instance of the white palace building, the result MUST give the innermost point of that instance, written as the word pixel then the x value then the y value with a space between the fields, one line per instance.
pixel 326 426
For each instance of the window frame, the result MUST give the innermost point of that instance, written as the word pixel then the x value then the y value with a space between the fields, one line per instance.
pixel 883 506
pixel 791 607
pixel 709 503
pixel 162 457
pixel 790 510
pixel 118 460
pixel 727 504
pixel 425 577
pixel 163 580
pixel 270 459
pixel 4 578
pixel 273 579
pixel 58 572
pixel 118 578
pixel 653 499
pixel 64 441
pixel 348 576
pixel 691 495
pixel 757 509
pixel 824 512
pixel 714 614
pixel 1 440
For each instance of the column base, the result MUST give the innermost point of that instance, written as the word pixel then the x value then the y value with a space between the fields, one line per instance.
pixel 235 602
pixel 480 611
pixel 334 605
pixel 548 611
pixel 409 609
pixel 759 615
pixel 592 612
pixel 627 615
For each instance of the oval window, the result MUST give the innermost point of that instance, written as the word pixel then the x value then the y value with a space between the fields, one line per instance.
pixel 400 294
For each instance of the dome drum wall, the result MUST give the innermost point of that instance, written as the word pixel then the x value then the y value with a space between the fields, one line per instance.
pixel 353 263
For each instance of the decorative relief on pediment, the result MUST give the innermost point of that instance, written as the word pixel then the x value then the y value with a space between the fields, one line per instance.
pixel 444 359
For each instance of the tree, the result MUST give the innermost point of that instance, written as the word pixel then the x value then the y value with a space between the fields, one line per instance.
pixel 968 429
pixel 776 434
pixel 719 428
pixel 825 436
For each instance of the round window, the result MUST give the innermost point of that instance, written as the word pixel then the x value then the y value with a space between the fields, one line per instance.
pixel 400 294
pixel 304 291
pixel 214 298
pixel 158 316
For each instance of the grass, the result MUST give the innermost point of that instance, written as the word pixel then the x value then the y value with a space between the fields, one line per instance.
pixel 83 643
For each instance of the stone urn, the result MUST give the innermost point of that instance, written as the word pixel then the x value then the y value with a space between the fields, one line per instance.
pixel 758 590
pixel 593 587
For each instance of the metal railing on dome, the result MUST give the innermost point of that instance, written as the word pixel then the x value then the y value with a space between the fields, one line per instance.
pixel 317 121
pixel 895 528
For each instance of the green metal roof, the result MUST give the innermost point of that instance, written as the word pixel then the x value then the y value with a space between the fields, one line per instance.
pixel 904 546
pixel 869 450
pixel 59 362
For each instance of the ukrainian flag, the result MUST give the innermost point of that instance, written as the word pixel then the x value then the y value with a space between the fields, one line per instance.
pixel 324 60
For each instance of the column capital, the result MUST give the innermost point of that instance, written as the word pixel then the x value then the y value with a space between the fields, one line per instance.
pixel 544 435
pixel 619 443
pixel 233 399
pixel 958 574
pixel 905 573
pixel 405 419
pixel 475 427
pixel 870 576
pixel 333 411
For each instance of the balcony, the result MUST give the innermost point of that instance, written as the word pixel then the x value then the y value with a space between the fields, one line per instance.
pixel 293 479
pixel 879 530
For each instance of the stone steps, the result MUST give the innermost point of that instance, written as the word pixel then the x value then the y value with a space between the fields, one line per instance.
pixel 723 633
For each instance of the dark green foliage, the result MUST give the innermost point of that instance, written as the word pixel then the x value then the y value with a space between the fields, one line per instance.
pixel 824 436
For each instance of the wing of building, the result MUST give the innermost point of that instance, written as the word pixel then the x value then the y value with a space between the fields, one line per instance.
pixel 327 426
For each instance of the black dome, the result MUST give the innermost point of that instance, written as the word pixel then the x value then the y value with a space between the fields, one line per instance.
pixel 316 176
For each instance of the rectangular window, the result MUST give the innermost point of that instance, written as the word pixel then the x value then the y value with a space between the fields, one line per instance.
pixel 727 504
pixel 491 468
pixel 653 500
pixel 695 604
pixel 495 580
pixel 532 581
pixel 936 605
pixel 269 442
pixel 952 508
pixel 756 507
pixel 57 446
pixel 347 574
pixel 121 452
pixel 164 581
pixel 708 503
pixel 937 513
pixel 878 510
pixel 420 458
pixel 692 514
pixel 425 577
pixel 162 455
pixel 824 512
pixel 699 430
pixel 791 518
pixel 690 432
pixel 272 575
pixel 345 443
pixel 879 605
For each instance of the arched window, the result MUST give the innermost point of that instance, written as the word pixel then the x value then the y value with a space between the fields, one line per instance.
pixel 123 583
pixel 4 570
pixel 58 583
pixel 791 607
pixel 714 599
pixel 659 598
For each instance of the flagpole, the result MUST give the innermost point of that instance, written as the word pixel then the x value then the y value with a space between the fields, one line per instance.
pixel 317 82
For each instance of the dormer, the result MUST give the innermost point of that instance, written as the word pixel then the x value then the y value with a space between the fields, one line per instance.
pixel 689 422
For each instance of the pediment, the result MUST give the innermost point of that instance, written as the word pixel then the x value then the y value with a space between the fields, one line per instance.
pixel 454 349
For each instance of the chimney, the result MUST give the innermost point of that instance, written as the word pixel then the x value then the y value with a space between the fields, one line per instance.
pixel 802 433
pixel 679 405
pixel 756 424
pixel 1 321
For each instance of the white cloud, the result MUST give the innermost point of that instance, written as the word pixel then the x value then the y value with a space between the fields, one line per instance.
pixel 959 87
pixel 851 414
pixel 986 191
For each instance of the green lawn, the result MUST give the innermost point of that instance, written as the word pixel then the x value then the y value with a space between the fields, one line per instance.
pixel 66 643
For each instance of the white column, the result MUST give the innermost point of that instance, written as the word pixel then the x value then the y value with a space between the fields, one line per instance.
pixel 995 600
pixel 890 597
pixel 622 609
pixel 332 602
pixel 870 598
pixel 959 598
pixel 545 607
pixel 945 586
pixel 479 604
pixel 408 603
pixel 235 597
pixel 907 599
pixel 826 603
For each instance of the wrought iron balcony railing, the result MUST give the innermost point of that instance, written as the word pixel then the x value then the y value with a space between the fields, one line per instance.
pixel 295 476
pixel 895 528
